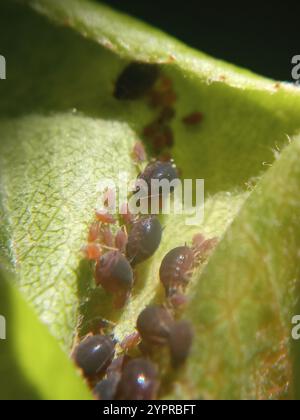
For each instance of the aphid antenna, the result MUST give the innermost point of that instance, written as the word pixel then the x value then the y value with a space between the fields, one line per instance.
pixel 109 248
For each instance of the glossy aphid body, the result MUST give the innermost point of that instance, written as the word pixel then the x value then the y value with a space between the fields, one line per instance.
pixel 136 80
pixel 176 269
pixel 156 171
pixel 180 342
pixel 114 273
pixel 153 324
pixel 139 381
pixel 143 240
pixel 94 354
pixel 106 389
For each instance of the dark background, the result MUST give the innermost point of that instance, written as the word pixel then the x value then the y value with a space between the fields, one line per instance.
pixel 262 37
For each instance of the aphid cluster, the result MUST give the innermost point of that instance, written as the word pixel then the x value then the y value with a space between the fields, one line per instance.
pixel 140 80
pixel 157 327
pixel 115 253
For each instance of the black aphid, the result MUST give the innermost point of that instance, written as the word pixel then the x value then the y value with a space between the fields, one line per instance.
pixel 139 381
pixel 143 240
pixel 135 81
pixel 94 354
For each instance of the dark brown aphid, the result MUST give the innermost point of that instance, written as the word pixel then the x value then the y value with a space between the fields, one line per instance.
pixel 94 354
pixel 143 240
pixel 158 171
pixel 176 268
pixel 160 136
pixel 159 133
pixel 154 324
pixel 107 388
pixel 114 273
pixel 193 119
pixel 139 381
pixel 135 81
pixel 180 342
pixel 166 115
pixel 163 95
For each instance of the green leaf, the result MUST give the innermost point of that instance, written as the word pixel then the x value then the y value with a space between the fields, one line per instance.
pixel 32 364
pixel 62 131
pixel 244 302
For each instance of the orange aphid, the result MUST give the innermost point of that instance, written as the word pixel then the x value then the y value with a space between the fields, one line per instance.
pixel 104 217
pixel 92 251
pixel 94 232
